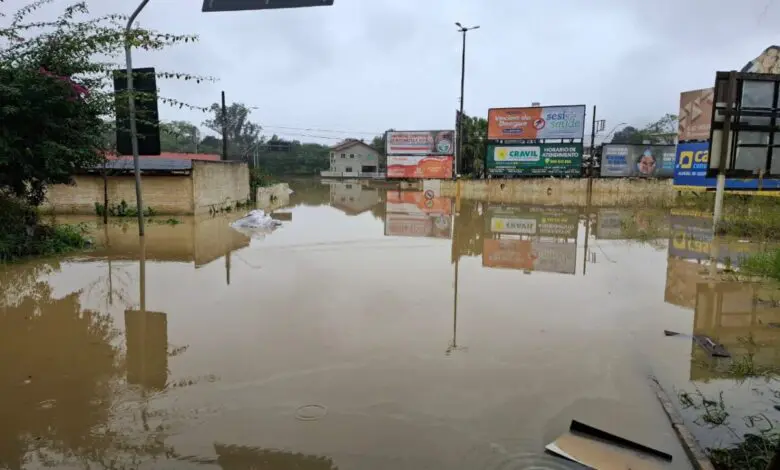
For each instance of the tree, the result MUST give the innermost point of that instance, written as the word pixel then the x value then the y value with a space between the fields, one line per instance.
pixel 179 137
pixel 56 94
pixel 628 135
pixel 242 134
pixel 474 143
pixel 662 131
pixel 379 143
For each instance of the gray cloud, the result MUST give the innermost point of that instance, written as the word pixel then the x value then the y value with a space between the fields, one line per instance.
pixel 367 65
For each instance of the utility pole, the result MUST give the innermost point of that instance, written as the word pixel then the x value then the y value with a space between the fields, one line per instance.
pixel 725 149
pixel 459 160
pixel 592 148
pixel 131 111
pixel 224 129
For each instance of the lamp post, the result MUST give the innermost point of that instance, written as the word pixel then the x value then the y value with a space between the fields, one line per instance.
pixel 463 30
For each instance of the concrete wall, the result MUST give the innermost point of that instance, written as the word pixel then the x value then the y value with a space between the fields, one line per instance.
pixel 218 185
pixel 277 195
pixel 164 194
pixel 568 192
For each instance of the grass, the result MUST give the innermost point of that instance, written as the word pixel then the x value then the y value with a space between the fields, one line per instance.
pixel 122 210
pixel 753 453
pixel 744 216
pixel 764 264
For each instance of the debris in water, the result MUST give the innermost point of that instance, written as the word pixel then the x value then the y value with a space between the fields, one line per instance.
pixel 596 448
pixel 712 347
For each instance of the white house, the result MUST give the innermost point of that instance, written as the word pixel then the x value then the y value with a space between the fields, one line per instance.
pixel 353 159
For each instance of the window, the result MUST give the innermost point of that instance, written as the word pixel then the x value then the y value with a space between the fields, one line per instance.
pixel 348 186
pixel 332 155
pixel 351 155
pixel 348 169
pixel 343 155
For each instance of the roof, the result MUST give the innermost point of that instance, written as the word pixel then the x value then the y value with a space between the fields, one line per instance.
pixel 349 143
pixel 173 156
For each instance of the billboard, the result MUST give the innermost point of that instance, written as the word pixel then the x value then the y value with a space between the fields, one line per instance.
pixel 418 201
pixel 431 167
pixel 541 122
pixel 692 238
pixel 767 62
pixel 535 159
pixel 530 255
pixel 536 221
pixel 650 161
pixel 695 114
pixel 692 162
pixel 240 5
pixel 418 214
pixel 420 143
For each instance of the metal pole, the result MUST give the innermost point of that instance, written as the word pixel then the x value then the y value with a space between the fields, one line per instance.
pixel 725 150
pixel 224 129
pixel 131 111
pixel 592 149
pixel 459 160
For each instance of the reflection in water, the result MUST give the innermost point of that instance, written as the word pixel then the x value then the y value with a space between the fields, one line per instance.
pixel 243 458
pixel 312 317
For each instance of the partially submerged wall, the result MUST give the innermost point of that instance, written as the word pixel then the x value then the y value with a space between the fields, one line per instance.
pixel 169 194
pixel 271 197
pixel 568 192
pixel 219 185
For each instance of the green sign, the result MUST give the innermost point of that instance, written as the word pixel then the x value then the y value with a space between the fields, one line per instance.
pixel 534 221
pixel 535 159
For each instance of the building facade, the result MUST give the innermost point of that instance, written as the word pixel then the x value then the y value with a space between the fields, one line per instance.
pixel 353 159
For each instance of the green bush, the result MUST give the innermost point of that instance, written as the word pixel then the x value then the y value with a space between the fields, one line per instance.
pixel 765 264
pixel 22 235
pixel 259 179
pixel 122 210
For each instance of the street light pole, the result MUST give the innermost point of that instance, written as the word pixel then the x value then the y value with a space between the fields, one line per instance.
pixel 131 111
pixel 459 160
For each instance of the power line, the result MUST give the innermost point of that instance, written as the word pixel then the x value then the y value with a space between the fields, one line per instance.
pixel 310 129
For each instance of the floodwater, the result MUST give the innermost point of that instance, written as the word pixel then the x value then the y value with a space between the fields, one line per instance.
pixel 375 329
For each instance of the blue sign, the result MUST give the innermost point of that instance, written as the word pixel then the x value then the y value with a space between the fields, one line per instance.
pixel 691 166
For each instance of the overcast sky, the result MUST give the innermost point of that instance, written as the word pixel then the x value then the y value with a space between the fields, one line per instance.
pixel 369 65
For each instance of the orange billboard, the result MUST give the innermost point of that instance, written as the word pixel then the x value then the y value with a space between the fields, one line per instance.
pixel 430 167
pixel 540 122
pixel 418 201
pixel 695 116
pixel 512 254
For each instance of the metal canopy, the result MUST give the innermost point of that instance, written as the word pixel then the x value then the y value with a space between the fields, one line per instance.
pixel 240 5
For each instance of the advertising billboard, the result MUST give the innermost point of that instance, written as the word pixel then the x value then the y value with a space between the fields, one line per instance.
pixel 430 167
pixel 530 255
pixel 536 221
pixel 418 225
pixel 420 143
pixel 650 161
pixel 692 238
pixel 541 122
pixel 535 159
pixel 691 166
pixel 418 214
pixel 695 114
pixel 418 201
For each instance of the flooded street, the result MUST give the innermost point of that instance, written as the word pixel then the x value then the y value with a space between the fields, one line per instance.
pixel 375 329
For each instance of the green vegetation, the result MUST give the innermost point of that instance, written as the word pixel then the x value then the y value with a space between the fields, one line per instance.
pixel 745 216
pixel 765 264
pixel 122 210
pixel 753 453
pixel 58 112
pixel 23 236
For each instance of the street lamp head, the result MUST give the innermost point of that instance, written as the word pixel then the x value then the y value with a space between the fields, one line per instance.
pixel 475 27
pixel 458 24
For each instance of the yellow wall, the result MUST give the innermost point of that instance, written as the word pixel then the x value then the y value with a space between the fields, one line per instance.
pixel 164 194
pixel 570 192
pixel 218 185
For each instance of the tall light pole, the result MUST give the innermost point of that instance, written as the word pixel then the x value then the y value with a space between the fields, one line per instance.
pixel 459 160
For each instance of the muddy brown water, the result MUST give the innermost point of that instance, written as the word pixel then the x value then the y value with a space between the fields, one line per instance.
pixel 374 330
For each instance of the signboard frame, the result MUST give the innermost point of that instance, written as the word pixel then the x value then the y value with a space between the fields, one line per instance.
pixel 210 6
pixel 732 115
